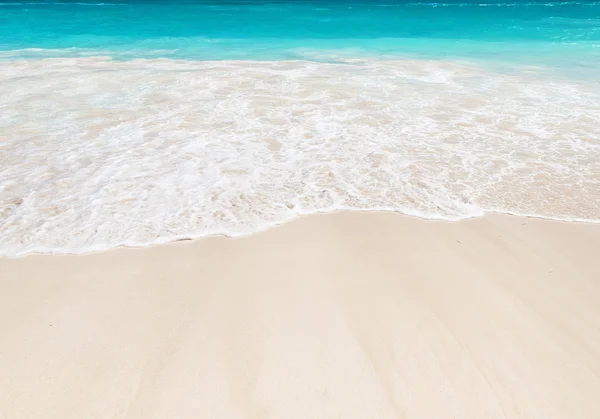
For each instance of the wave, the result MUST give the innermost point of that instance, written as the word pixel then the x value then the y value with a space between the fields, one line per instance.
pixel 98 153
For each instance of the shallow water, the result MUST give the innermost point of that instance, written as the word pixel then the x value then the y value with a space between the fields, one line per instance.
pixel 143 135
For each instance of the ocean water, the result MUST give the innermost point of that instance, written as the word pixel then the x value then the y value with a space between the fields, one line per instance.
pixel 140 122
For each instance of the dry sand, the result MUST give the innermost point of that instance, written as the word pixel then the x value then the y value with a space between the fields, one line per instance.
pixel 350 315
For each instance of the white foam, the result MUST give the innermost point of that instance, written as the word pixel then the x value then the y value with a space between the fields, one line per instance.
pixel 96 154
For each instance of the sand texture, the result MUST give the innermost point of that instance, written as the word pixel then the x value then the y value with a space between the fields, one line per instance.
pixel 347 315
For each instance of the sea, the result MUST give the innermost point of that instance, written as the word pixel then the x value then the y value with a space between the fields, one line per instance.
pixel 135 122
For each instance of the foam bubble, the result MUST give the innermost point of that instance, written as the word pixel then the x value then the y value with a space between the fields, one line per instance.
pixel 96 154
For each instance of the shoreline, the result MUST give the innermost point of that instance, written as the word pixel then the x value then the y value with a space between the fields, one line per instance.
pixel 236 148
pixel 191 237
pixel 351 314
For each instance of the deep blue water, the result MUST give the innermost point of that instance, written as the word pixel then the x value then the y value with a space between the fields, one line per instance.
pixel 566 32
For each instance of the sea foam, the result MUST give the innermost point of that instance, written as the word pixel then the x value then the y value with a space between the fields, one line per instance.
pixel 97 153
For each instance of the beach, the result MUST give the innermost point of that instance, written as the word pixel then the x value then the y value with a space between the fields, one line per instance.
pixel 299 209
pixel 350 315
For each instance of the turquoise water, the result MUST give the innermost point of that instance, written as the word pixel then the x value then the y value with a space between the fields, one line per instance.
pixel 533 31
pixel 141 122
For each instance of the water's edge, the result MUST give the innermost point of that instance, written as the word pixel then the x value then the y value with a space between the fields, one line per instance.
pixel 131 123
pixel 194 237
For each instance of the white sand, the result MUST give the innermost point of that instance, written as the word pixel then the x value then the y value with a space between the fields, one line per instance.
pixel 350 315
